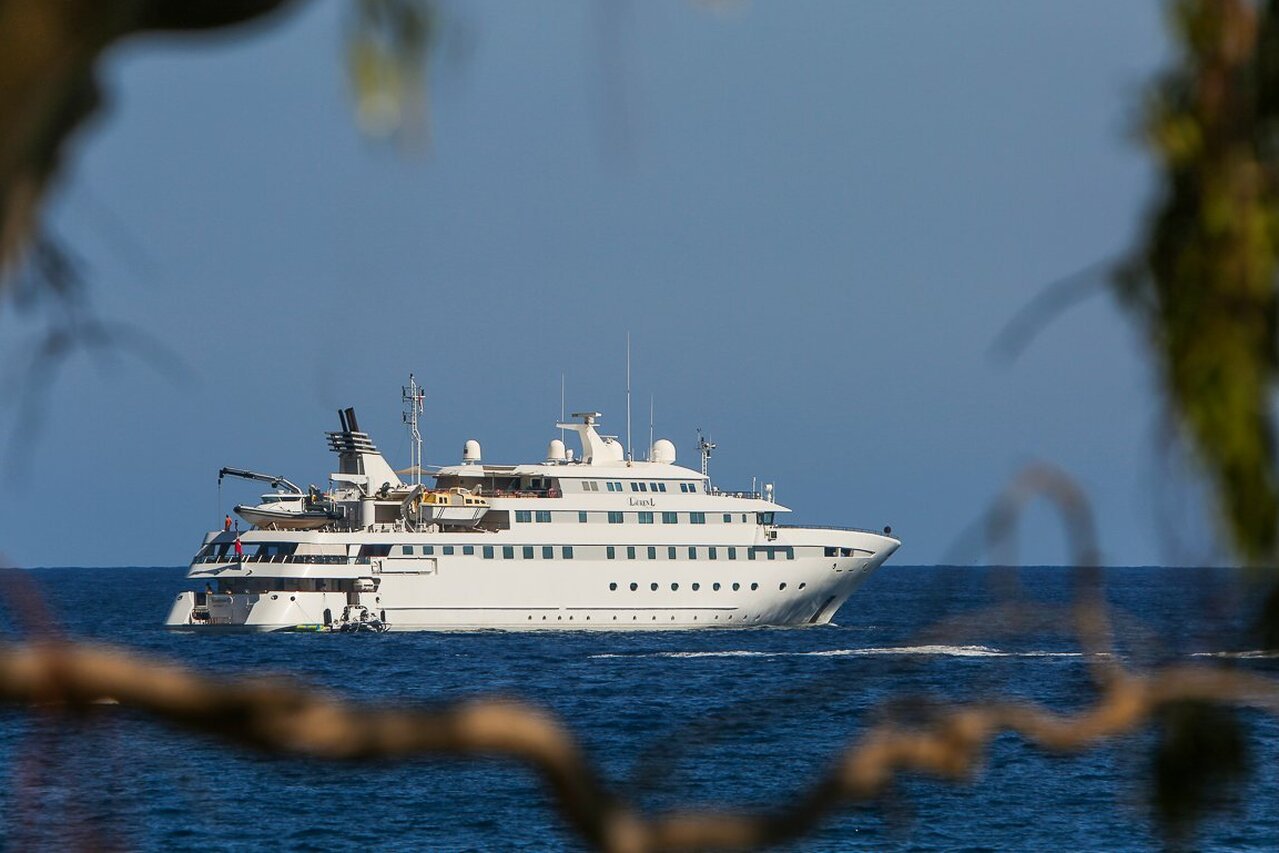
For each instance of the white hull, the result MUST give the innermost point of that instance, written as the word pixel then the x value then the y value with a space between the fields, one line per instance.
pixel 471 593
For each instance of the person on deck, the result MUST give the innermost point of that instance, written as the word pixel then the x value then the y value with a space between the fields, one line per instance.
pixel 239 549
pixel 226 525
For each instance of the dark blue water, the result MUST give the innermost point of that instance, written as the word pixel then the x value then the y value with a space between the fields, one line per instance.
pixel 733 718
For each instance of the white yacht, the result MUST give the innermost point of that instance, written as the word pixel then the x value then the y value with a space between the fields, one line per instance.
pixel 585 540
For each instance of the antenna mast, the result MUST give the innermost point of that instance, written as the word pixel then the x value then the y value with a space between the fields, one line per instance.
pixel 705 447
pixel 629 455
pixel 650 427
pixel 412 395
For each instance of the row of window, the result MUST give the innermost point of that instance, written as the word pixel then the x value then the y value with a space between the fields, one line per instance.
pixel 636 486
pixel 543 516
pixel 631 552
pixel 697 586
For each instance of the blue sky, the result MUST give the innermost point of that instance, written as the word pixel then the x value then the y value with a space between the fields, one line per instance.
pixel 813 219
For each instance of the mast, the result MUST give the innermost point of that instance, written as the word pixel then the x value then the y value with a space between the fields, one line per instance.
pixel 705 448
pixel 413 395
pixel 629 455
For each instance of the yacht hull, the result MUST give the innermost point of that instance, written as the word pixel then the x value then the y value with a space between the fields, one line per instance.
pixel 477 594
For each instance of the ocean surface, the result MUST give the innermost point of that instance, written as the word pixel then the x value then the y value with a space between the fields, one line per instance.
pixel 741 719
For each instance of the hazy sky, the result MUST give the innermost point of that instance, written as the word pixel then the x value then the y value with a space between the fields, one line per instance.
pixel 813 219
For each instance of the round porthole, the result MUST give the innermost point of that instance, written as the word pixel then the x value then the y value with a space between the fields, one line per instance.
pixel 293 598
pixel 653 587
pixel 716 586
pixel 674 587
pixel 274 596
pixel 781 585
pixel 696 587
pixel 754 586
pixel 736 586
pixel 801 586
pixel 634 587
pixel 612 586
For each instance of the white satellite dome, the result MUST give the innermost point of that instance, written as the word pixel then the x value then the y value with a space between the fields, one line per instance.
pixel 663 451
pixel 555 451
pixel 614 448
pixel 471 452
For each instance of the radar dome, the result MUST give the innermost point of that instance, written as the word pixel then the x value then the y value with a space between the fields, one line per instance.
pixel 555 451
pixel 471 452
pixel 664 451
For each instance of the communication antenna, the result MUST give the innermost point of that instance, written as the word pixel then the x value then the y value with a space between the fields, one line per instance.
pixel 705 447
pixel 650 427
pixel 629 455
pixel 413 395
pixel 561 404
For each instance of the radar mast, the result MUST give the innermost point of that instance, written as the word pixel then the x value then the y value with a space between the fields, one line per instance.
pixel 413 395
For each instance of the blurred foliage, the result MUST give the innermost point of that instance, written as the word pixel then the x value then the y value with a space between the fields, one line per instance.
pixel 1202 281
pixel 387 46
pixel 1201 759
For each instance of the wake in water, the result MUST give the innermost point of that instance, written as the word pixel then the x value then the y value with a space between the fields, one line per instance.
pixel 929 650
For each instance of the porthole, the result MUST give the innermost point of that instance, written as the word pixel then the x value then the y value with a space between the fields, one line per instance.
pixel 715 586
pixel 530 617
pixel 559 618
pixel 634 587
pixel 696 587
pixel 754 586
pixel 543 618
pixel 654 618
pixel 736 586
pixel 781 586
pixel 653 587
pixel 804 584
pixel 674 587
pixel 613 587
pixel 293 598
pixel 274 596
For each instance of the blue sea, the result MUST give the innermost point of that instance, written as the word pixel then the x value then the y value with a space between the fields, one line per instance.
pixel 739 719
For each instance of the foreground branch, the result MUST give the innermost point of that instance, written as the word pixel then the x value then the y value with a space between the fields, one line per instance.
pixel 295 721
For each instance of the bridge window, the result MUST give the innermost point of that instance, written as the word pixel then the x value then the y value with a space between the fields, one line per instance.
pixel 406 549
pixel 764 517
pixel 653 486
pixel 646 518
pixel 831 552
pixel 661 487
pixel 523 516
pixel 610 486
pixel 543 516
pixel 614 517
pixel 634 486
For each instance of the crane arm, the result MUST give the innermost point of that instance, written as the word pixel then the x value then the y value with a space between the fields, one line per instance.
pixel 276 482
